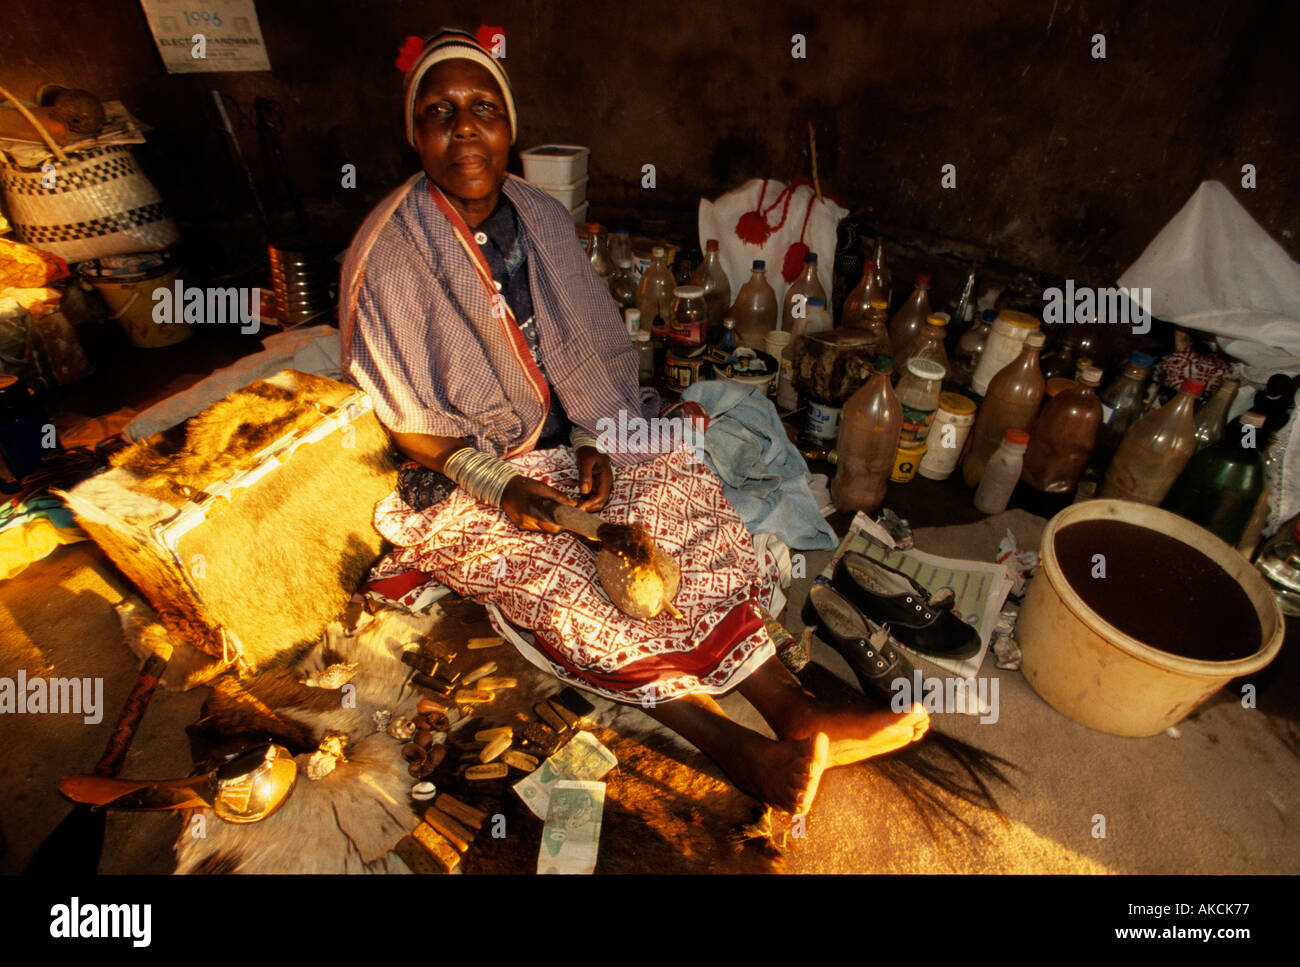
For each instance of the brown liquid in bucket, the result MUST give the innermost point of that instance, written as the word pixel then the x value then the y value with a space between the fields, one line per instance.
pixel 1159 590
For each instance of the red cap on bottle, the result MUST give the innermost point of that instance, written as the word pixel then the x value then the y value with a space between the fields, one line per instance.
pixel 711 245
pixel 1193 386
pixel 1017 436
pixel 923 281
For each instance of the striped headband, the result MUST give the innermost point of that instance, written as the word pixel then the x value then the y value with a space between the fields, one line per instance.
pixel 418 57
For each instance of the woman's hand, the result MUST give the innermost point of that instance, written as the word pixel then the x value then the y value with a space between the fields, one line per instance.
pixel 595 478
pixel 523 502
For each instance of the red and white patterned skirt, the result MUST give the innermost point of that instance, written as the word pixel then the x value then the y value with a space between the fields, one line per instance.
pixel 547 583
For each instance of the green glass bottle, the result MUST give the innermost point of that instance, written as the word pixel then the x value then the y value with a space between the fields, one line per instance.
pixel 1220 486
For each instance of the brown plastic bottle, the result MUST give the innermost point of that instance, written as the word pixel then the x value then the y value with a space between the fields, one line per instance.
pixel 910 320
pixel 870 424
pixel 1012 402
pixel 859 300
pixel 1155 450
pixel 1063 436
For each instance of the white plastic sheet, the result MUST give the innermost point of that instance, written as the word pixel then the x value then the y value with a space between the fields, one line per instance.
pixel 1213 268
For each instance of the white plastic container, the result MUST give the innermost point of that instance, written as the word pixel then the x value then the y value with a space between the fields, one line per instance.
pixel 555 164
pixel 1002 473
pixel 1007 338
pixel 570 196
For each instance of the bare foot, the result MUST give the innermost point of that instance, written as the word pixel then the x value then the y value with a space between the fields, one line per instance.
pixel 859 732
pixel 784 775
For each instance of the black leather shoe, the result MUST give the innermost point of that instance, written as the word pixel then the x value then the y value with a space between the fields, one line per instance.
pixel 864 645
pixel 923 623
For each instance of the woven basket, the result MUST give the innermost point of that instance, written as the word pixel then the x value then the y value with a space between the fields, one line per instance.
pixel 100 203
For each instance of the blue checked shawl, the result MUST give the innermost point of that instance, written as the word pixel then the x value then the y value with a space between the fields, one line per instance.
pixel 417 333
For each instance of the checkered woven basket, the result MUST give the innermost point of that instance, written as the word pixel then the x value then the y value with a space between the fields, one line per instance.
pixel 85 204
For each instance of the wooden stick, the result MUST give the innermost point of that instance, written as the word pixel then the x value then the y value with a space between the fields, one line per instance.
pixel 812 140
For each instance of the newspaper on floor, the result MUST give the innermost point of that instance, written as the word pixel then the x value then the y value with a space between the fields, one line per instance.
pixel 582 758
pixel 980 589
pixel 571 838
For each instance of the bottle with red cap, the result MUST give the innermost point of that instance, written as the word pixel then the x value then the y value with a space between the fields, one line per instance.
pixel 1155 450
pixel 1001 473
pixel 909 321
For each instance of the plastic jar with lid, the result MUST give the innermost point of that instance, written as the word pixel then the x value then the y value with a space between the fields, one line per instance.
pixel 947 438
pixel 1007 337
pixel 689 326
pixel 1002 473
pixel 777 344
pixel 918 392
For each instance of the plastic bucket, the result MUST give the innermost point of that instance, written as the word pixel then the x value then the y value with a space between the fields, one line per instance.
pixel 130 302
pixel 1092 672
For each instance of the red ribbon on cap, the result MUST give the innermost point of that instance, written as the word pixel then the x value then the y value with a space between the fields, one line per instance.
pixel 409 53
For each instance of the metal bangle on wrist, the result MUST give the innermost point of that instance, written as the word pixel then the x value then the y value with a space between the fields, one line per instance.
pixel 479 474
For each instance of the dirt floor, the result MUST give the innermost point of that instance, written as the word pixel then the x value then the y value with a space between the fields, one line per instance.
pixel 1219 797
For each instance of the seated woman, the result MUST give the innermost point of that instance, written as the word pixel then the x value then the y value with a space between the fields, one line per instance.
pixel 473 319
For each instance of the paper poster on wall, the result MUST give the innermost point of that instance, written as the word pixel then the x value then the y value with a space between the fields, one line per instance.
pixel 196 36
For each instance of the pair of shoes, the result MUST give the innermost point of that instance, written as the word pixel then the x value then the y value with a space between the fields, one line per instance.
pixel 922 622
pixel 862 643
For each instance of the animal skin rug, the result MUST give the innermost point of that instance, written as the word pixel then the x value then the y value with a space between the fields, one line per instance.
pixel 668 809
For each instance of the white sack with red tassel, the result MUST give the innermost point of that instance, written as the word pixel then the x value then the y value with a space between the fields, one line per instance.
pixel 792 218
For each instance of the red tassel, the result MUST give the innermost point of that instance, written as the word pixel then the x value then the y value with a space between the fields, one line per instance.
pixel 754 229
pixel 792 267
pixel 409 53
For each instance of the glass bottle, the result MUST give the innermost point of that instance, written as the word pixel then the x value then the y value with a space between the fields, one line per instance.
pixel 918 392
pixel 860 299
pixel 620 247
pixel 1279 562
pixel 1063 436
pixel 1155 450
pixel 755 308
pixel 622 286
pixel 928 343
pixel 654 296
pixel 884 278
pixel 969 348
pixel 870 424
pixel 910 319
pixel 598 250
pixel 1213 416
pixel 1001 473
pixel 1222 483
pixel 962 312
pixel 724 347
pixel 717 288
pixel 807 285
pixel 1012 402
pixel 688 329
pixel 645 354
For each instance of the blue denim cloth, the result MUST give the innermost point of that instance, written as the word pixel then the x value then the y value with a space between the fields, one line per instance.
pixel 763 475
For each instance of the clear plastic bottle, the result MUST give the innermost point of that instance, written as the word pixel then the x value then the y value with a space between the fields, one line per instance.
pixel 807 286
pixel 1213 416
pixel 622 285
pixel 1002 472
pixel 755 308
pixel 870 424
pixel 964 310
pixel 620 247
pixel 909 320
pixel 598 250
pixel 1063 436
pixel 654 296
pixel 966 357
pixel 928 344
pixel 1155 450
pixel 1222 484
pixel 918 392
pixel 860 299
pixel 717 288
pixel 1012 402
pixel 645 353
pixel 1121 404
